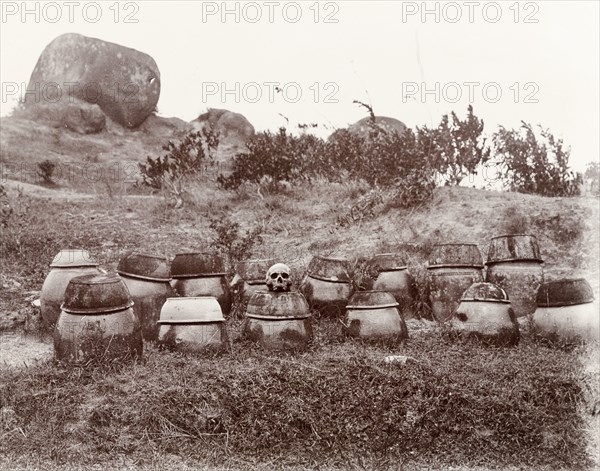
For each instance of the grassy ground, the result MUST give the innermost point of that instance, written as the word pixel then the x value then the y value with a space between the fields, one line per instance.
pixel 338 406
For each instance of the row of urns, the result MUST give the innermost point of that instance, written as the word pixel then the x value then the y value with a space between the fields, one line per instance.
pixel 514 264
pixel 513 260
pixel 98 321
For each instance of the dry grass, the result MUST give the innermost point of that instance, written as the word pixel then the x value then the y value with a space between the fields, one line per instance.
pixel 338 406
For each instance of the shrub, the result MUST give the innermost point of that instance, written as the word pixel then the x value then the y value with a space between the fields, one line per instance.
pixel 6 209
pixel 45 171
pixel 280 156
pixel 383 159
pixel 592 176
pixel 515 220
pixel 230 243
pixel 529 165
pixel 181 161
pixel 457 148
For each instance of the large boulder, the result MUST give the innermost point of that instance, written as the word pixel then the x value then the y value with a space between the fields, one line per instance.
pixel 124 82
pixel 363 126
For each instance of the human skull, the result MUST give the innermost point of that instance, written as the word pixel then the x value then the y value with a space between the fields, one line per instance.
pixel 278 278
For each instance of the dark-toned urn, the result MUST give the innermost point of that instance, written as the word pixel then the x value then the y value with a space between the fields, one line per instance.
pixel 278 320
pixel 192 325
pixel 567 309
pixel 327 285
pixel 374 315
pixel 452 269
pixel 97 322
pixel 394 278
pixel 67 264
pixel 565 292
pixel 250 276
pixel 485 314
pixel 201 274
pixel 514 263
pixel 147 277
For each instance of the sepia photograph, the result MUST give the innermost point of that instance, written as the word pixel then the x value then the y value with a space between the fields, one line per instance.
pixel 300 235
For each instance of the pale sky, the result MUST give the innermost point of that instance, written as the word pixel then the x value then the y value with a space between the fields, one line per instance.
pixel 531 61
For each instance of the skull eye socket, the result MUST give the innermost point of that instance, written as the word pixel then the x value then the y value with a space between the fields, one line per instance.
pixel 274 275
pixel 285 276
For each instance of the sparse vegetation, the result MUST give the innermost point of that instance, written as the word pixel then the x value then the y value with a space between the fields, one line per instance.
pixel 279 157
pixel 46 171
pixel 592 176
pixel 458 148
pixel 183 160
pixel 387 160
pixel 532 165
pixel 230 243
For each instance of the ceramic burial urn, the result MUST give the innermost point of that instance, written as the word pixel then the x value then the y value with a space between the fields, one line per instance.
pixel 451 270
pixel 147 277
pixel 97 322
pixel 192 325
pixel 278 320
pixel 485 313
pixel 67 264
pixel 394 278
pixel 327 285
pixel 374 315
pixel 514 263
pixel 566 309
pixel 201 274
pixel 250 276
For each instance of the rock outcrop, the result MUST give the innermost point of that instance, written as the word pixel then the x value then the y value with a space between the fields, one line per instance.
pixel 123 82
pixel 362 127
pixel 232 126
pixel 78 116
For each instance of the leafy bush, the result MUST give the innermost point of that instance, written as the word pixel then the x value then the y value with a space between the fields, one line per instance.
pixel 280 156
pixel 402 163
pixel 457 149
pixel 181 161
pixel 229 242
pixel 45 171
pixel 592 176
pixel 6 209
pixel 384 159
pixel 530 165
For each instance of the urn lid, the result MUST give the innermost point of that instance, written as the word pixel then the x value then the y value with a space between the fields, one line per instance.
pixel 485 292
pixel 455 255
pixel 388 262
pixel 565 292
pixel 329 269
pixel 197 264
pixel 72 258
pixel 277 305
pixel 514 248
pixel 372 299
pixel 191 310
pixel 96 294
pixel 145 267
